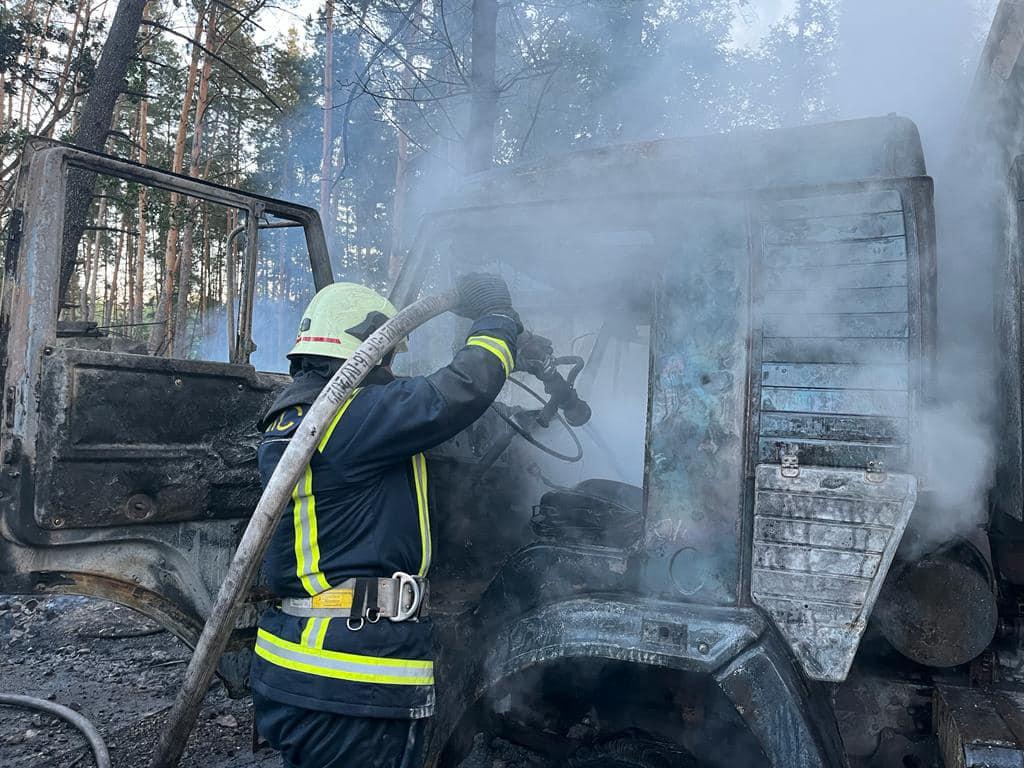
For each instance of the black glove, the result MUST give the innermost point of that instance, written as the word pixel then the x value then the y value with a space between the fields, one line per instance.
pixel 483 294
pixel 533 353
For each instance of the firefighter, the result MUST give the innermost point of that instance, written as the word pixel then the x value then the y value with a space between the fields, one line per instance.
pixel 343 674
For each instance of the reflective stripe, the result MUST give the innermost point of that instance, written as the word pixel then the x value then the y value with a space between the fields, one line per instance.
pixel 304 523
pixel 324 339
pixel 320 633
pixel 419 474
pixel 335 420
pixel 314 632
pixel 496 347
pixel 280 425
pixel 307 548
pixel 342 666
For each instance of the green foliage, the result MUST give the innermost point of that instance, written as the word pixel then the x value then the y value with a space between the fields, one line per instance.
pixel 571 74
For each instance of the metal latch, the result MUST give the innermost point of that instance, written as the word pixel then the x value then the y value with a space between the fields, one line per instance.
pixel 790 461
pixel 876 472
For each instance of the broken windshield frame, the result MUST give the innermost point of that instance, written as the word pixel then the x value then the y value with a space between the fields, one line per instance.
pixel 42 192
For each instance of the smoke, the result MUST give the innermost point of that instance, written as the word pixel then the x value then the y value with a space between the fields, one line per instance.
pixel 274 325
pixel 919 58
pixel 591 283
pixel 916 58
pixel 686 68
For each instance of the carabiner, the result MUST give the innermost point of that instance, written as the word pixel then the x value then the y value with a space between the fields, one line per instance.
pixel 403 613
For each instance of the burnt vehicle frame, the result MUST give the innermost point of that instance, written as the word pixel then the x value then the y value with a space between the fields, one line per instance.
pixel 140 423
pixel 629 610
pixel 537 609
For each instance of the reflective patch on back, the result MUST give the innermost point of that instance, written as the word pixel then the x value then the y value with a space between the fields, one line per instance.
pixel 285 423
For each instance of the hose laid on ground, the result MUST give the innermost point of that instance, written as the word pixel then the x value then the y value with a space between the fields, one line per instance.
pixel 99 749
pixel 246 562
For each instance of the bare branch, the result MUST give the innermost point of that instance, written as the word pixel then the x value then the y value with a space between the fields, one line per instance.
pixel 536 111
pixel 245 78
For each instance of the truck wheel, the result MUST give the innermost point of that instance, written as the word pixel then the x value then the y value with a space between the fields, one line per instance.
pixel 631 752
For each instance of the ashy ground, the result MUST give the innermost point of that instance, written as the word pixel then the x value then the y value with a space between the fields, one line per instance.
pixel 122 671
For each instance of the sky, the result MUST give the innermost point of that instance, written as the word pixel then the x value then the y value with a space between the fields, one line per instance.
pixel 755 18
pixel 753 21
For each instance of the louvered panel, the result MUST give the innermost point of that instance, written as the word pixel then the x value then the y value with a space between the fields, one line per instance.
pixel 875 251
pixel 825 427
pixel 835 375
pixel 874 351
pixel 834 303
pixel 823 326
pixel 835 453
pixel 865 226
pixel 823 543
pixel 832 276
pixel 840 301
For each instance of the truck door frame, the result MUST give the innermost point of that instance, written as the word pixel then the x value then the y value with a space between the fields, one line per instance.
pixel 144 564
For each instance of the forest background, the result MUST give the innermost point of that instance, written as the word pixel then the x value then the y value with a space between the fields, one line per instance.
pixel 369 110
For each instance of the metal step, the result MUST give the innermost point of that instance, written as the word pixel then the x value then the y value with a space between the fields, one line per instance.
pixel 979 728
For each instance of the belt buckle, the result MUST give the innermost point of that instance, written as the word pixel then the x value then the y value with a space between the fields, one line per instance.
pixel 403 613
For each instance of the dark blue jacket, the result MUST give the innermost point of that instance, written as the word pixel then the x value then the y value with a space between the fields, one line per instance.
pixel 363 509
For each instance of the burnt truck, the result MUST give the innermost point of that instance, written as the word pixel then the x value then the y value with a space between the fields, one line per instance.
pixel 712 571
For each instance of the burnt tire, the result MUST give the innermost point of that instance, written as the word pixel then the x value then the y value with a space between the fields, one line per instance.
pixel 631 752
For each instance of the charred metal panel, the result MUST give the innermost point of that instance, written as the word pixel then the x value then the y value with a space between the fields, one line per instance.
pixel 794 722
pixel 979 729
pixel 694 468
pixel 663 636
pixel 1008 495
pixel 128 439
pixel 885 147
pixel 834 298
pixel 823 544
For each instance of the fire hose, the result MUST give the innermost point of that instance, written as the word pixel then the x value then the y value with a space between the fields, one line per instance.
pixel 87 729
pixel 246 562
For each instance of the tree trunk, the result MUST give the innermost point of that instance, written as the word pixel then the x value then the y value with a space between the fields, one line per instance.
pixel 161 334
pixel 138 276
pixel 483 105
pixel 328 117
pixel 89 304
pixel 94 124
pixel 230 277
pixel 83 14
pixel 111 303
pixel 398 202
pixel 178 339
pixel 204 270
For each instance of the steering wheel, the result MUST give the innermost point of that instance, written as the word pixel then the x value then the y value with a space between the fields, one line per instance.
pixel 533 418
pixel 564 404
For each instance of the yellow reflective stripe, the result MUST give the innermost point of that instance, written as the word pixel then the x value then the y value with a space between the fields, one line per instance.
pixel 279 424
pixel 496 347
pixel 307 548
pixel 304 522
pixel 321 633
pixel 307 631
pixel 314 632
pixel 335 420
pixel 419 474
pixel 297 533
pixel 316 575
pixel 342 666
pixel 351 658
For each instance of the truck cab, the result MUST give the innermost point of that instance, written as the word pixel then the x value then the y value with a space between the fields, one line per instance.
pixel 683 579
pixel 755 315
